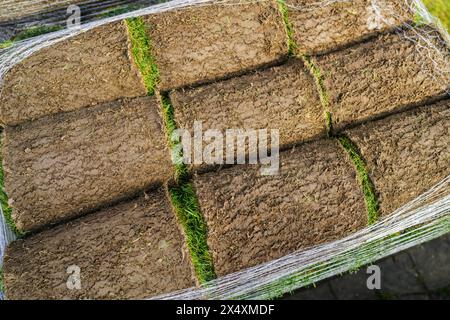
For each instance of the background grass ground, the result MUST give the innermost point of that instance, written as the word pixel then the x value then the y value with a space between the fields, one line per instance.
pixel 440 9
pixel 30 33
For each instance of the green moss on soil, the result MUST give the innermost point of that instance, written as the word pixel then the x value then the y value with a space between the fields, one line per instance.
pixel 370 196
pixel 141 48
pixel 287 27
pixel 184 199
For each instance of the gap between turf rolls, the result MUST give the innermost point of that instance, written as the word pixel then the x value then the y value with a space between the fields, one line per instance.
pixel 182 194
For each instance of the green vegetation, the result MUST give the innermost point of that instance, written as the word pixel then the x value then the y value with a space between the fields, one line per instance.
pixel 382 295
pixel 287 27
pixel 6 44
pixel 35 31
pixel 184 200
pixel 440 9
pixel 364 179
pixel 323 94
pixel 7 211
pixel 115 11
pixel 181 171
pixel 303 278
pixel 141 51
pixel 183 195
pixel 29 33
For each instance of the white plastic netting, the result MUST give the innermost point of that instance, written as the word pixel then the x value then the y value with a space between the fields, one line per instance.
pixel 11 10
pixel 425 218
pixel 422 219
pixel 6 235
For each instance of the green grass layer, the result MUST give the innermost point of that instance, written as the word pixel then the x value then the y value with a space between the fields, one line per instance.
pixel 181 171
pixel 184 199
pixel 370 196
pixel 141 51
pixel 287 27
pixel 323 94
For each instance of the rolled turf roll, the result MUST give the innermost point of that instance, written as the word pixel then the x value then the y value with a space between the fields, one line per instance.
pixel 203 43
pixel 252 219
pixel 121 252
pixel 406 154
pixel 383 76
pixel 321 26
pixel 61 166
pixel 90 68
pixel 282 97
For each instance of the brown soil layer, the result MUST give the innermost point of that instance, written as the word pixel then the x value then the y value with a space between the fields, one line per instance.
pixel 406 153
pixel 381 76
pixel 282 97
pixel 203 43
pixel 320 27
pixel 67 164
pixel 129 251
pixel 87 69
pixel 253 219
